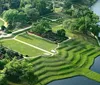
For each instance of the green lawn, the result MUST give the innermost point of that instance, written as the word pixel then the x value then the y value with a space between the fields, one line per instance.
pixel 22 48
pixel 37 41
pixel 58 27
pixel 1 23
pixel 58 10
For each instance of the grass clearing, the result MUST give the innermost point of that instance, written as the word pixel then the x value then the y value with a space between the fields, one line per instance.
pixel 58 10
pixel 58 27
pixel 37 41
pixel 22 48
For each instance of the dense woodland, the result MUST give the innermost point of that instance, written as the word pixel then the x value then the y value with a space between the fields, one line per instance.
pixel 22 13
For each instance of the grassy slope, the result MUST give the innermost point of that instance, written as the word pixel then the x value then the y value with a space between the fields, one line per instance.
pixel 74 58
pixel 58 27
pixel 22 48
pixel 1 23
pixel 37 41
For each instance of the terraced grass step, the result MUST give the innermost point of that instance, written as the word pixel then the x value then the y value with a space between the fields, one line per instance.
pixel 49 74
pixel 51 78
pixel 91 60
pixel 63 53
pixel 67 62
pixel 93 52
pixel 82 61
pixel 64 44
pixel 70 48
pixel 87 51
pixel 70 42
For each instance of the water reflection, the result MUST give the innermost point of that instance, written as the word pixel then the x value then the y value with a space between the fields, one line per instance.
pixel 96 65
pixel 79 80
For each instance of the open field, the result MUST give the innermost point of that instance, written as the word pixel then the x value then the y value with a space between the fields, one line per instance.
pixel 37 41
pixel 30 45
pixel 22 48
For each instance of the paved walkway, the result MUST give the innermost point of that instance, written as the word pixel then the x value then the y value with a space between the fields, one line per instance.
pixel 26 28
pixel 9 35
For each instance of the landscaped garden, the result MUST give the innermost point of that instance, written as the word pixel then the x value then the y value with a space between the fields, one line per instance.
pixel 54 40
pixel 37 41
pixel 73 57
pixel 22 48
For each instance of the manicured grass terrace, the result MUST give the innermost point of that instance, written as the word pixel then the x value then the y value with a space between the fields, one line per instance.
pixel 22 48
pixel 37 41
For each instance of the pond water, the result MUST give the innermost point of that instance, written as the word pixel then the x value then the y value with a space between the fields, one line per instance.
pixel 80 80
pixel 96 65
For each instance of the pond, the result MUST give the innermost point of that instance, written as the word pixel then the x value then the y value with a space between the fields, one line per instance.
pixel 96 65
pixel 80 80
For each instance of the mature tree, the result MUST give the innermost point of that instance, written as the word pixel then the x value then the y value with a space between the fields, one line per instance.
pixel 13 17
pixel 32 13
pixel 3 80
pixel 61 33
pixel 10 15
pixel 10 53
pixel 3 28
pixel 14 4
pixel 85 21
pixel 41 27
pixel 21 72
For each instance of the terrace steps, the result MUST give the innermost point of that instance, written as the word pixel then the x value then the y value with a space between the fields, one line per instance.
pixel 70 58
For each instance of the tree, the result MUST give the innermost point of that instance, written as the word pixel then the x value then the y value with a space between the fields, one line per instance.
pixel 41 27
pixel 41 6
pixel 10 53
pixel 61 33
pixel 32 13
pixel 3 28
pixel 85 22
pixel 21 72
pixel 14 4
pixel 14 18
pixel 10 15
pixel 3 80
